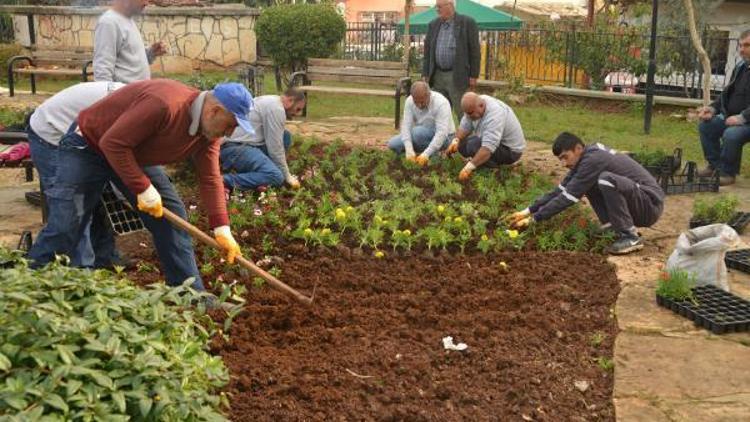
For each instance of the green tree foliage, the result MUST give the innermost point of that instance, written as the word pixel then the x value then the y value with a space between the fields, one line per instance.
pixel 597 51
pixel 291 34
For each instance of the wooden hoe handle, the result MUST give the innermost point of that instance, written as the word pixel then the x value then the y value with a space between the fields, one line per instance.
pixel 203 237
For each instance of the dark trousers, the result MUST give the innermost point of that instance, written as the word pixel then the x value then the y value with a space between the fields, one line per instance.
pixel 623 203
pixel 79 181
pixel 502 155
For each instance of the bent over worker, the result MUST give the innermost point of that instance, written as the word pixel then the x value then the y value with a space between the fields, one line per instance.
pixel 623 194
pixel 146 123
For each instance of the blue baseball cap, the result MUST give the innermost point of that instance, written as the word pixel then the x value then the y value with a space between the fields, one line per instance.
pixel 238 100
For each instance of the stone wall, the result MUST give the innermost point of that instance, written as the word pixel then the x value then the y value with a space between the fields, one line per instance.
pixel 221 36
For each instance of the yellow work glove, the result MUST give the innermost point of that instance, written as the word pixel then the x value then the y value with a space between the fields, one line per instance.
pixel 224 238
pixel 522 223
pixel 516 216
pixel 452 148
pixel 422 160
pixel 149 201
pixel 465 173
pixel 293 182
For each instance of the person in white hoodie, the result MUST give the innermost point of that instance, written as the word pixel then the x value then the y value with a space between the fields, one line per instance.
pixel 427 126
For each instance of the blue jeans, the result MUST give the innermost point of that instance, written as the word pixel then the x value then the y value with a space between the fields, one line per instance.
pixel 246 167
pixel 420 140
pixel 79 180
pixel 502 155
pixel 723 156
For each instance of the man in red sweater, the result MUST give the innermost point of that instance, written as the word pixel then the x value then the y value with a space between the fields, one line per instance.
pixel 147 123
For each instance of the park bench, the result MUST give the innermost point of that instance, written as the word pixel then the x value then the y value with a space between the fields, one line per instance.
pixel 381 74
pixel 60 61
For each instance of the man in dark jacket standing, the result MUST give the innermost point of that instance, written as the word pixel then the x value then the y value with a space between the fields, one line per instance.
pixel 728 118
pixel 623 194
pixel 451 53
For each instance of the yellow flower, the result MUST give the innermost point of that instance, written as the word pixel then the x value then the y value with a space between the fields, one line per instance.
pixel 407 232
pixel 458 220
pixel 385 222
pixel 325 231
pixel 349 209
pixel 379 254
pixel 484 237
pixel 440 209
pixel 447 219
pixel 340 214
pixel 378 219
pixel 512 233
pixel 308 231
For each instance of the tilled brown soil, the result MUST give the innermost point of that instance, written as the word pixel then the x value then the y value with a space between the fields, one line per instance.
pixel 370 347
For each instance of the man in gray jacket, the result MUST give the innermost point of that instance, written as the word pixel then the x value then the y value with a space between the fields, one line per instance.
pixel 253 160
pixel 451 53
pixel 119 52
pixel 622 193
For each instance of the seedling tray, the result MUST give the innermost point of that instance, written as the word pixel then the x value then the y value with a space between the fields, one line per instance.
pixel 688 181
pixel 738 222
pixel 669 165
pixel 122 218
pixel 738 260
pixel 714 309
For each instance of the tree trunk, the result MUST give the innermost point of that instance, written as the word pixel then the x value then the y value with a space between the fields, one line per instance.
pixel 698 45
pixel 407 40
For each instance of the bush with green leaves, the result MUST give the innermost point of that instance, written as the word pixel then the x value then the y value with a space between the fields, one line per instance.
pixel 715 209
pixel 293 33
pixel 90 345
pixel 676 285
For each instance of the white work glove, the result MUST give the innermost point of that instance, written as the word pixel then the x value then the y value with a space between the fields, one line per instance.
pixel 517 216
pixel 422 160
pixel 224 238
pixel 410 154
pixel 452 148
pixel 292 181
pixel 465 173
pixel 149 201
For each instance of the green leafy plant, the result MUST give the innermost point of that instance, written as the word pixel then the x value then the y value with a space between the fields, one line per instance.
pixel 402 239
pixel 650 157
pixel 605 363
pixel 90 345
pixel 715 209
pixel 676 285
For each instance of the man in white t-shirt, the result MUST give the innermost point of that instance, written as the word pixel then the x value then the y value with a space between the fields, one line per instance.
pixel 119 52
pixel 47 125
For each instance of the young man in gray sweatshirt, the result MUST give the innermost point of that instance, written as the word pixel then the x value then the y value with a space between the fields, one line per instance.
pixel 489 134
pixel 623 194
pixel 119 52
pixel 253 160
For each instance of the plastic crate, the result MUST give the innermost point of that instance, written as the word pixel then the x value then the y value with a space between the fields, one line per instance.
pixel 738 222
pixel 738 260
pixel 688 181
pixel 714 309
pixel 121 217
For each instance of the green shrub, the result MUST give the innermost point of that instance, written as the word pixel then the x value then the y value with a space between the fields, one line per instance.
pixel 293 33
pixel 715 209
pixel 650 157
pixel 6 52
pixel 89 345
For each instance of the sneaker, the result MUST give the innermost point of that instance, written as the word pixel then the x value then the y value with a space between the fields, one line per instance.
pixel 626 244
pixel 707 171
pixel 726 180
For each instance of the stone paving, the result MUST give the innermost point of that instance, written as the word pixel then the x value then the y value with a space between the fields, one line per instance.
pixel 665 368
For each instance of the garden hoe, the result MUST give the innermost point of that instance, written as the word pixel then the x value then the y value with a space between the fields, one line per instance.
pixel 203 237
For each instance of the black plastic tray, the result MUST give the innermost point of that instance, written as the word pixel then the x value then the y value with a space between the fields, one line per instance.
pixel 669 165
pixel 714 309
pixel 688 181
pixel 738 222
pixel 738 260
pixel 122 218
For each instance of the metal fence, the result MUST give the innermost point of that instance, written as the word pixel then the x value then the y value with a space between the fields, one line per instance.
pixel 569 56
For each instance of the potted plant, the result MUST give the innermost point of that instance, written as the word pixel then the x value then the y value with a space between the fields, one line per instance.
pixel 718 210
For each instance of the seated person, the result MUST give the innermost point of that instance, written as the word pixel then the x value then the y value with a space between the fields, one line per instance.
pixel 728 118
pixel 253 160
pixel 623 194
pixel 427 126
pixel 489 134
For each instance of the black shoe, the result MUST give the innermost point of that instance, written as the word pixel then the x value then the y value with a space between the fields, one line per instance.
pixel 625 244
